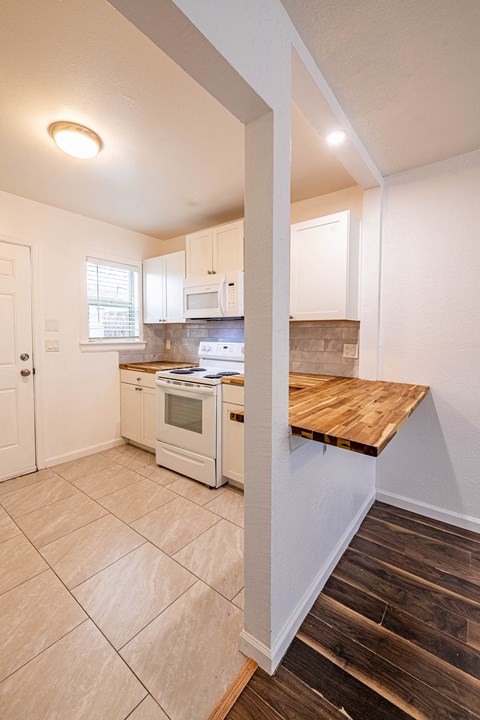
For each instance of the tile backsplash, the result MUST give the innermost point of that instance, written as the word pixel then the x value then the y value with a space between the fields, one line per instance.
pixel 315 347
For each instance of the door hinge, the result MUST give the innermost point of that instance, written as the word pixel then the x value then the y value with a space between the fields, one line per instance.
pixel 33 371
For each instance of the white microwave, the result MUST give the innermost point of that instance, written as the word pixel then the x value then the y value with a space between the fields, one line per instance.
pixel 213 297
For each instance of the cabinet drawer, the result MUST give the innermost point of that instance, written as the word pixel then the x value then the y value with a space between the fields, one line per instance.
pixel 232 393
pixel 137 377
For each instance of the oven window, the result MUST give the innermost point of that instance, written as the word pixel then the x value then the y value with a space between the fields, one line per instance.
pixel 183 412
pixel 202 301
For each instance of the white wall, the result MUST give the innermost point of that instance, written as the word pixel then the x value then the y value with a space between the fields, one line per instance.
pixel 298 506
pixel 430 334
pixel 78 393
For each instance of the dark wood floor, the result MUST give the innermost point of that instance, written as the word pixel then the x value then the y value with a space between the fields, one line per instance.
pixel 394 634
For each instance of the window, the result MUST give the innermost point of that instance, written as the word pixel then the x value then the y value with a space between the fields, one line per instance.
pixel 113 293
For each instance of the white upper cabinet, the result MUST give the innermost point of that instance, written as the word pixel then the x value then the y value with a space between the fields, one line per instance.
pixel 324 268
pixel 199 253
pixel 163 288
pixel 215 250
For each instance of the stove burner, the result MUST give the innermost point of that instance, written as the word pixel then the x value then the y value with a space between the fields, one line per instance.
pixel 220 375
pixel 198 369
pixel 186 371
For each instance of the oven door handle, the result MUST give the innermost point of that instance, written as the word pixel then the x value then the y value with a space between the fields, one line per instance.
pixel 183 390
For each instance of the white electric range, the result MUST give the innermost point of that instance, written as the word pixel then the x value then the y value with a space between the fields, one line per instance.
pixel 188 422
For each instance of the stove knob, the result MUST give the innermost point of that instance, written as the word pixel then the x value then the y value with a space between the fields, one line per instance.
pixel 206 348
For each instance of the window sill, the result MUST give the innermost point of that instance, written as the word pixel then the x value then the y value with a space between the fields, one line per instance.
pixel 101 346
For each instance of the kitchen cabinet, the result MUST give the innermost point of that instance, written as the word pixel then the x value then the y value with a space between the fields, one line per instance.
pixel 137 397
pixel 163 288
pixel 324 268
pixel 215 250
pixel 232 436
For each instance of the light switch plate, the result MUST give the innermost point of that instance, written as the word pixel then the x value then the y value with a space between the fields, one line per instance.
pixel 350 350
pixel 52 345
pixel 167 344
pixel 51 325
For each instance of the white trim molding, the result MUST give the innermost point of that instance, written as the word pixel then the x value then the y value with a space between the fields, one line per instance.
pixel 269 658
pixel 432 511
pixel 100 346
pixel 58 459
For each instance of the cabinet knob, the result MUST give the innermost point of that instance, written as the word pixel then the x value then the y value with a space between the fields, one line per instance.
pixel 209 272
pixel 214 272
pixel 291 317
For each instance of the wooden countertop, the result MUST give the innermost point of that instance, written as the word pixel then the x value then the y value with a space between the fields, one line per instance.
pixel 153 367
pixel 358 415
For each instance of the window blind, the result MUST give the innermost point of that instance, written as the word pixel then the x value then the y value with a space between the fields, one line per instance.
pixel 113 295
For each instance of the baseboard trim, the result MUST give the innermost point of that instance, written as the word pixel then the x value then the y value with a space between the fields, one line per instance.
pixel 233 693
pixel 58 459
pixel 269 658
pixel 432 511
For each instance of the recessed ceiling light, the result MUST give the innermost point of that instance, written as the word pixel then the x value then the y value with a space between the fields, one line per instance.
pixel 336 138
pixel 76 140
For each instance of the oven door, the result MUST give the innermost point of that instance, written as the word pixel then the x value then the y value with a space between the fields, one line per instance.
pixel 187 416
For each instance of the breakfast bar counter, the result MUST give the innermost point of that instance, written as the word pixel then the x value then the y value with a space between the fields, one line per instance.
pixel 357 415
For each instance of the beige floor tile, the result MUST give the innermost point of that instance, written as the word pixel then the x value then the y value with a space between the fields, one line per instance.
pixel 133 457
pixel 84 552
pixel 188 656
pixel 106 481
pixel 78 677
pixel 53 521
pixel 148 710
pixel 20 502
pixel 230 505
pixel 239 600
pixel 33 616
pixel 8 529
pixel 160 475
pixel 129 594
pixel 195 491
pixel 75 469
pixel 25 480
pixel 217 558
pixel 19 561
pixel 175 524
pixel 132 502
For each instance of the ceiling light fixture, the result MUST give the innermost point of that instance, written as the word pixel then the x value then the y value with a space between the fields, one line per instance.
pixel 75 140
pixel 336 138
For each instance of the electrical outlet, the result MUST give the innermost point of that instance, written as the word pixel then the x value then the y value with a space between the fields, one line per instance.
pixel 350 351
pixel 167 344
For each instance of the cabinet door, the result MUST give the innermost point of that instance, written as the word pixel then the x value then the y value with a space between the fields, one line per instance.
pixel 130 396
pixel 232 444
pixel 153 290
pixel 199 253
pixel 174 276
pixel 319 269
pixel 228 247
pixel 148 417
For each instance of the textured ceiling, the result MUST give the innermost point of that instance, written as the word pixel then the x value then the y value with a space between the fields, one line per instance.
pixel 406 72
pixel 173 159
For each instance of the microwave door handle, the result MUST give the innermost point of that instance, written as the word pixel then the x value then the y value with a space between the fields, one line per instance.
pixel 221 303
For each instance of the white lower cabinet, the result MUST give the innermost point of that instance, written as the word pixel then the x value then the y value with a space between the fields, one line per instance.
pixel 137 396
pixel 232 436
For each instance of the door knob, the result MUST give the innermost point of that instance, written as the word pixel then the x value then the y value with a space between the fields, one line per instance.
pixel 24 356
pixel 25 373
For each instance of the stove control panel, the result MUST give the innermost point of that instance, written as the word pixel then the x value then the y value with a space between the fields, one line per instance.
pixel 221 350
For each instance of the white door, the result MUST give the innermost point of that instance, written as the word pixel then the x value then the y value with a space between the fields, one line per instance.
pixel 153 290
pixel 199 253
pixel 228 247
pixel 319 269
pixel 131 414
pixel 148 396
pixel 174 277
pixel 187 417
pixel 17 429
pixel 233 440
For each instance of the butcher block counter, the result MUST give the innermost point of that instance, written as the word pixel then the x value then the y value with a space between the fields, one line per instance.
pixel 153 367
pixel 358 415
